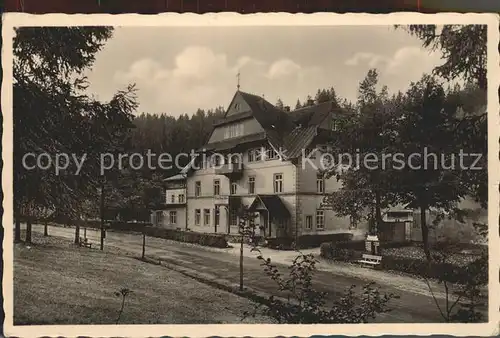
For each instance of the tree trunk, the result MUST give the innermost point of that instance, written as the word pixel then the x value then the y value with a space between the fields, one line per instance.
pixel 45 229
pixel 17 230
pixel 102 213
pixel 241 264
pixel 77 232
pixel 28 231
pixel 143 245
pixel 425 233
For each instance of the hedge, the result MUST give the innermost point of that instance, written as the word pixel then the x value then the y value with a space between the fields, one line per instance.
pixel 213 240
pixel 342 251
pixel 126 226
pixel 447 271
pixel 313 241
pixel 234 238
pixel 281 243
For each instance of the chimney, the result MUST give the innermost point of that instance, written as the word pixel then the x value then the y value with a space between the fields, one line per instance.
pixel 287 108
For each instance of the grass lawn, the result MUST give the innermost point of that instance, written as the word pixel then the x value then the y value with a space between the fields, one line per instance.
pixel 56 282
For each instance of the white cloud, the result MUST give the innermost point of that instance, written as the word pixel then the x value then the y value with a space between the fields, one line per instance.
pixel 408 57
pixel 407 64
pixel 402 60
pixel 371 59
pixel 202 78
pixel 283 67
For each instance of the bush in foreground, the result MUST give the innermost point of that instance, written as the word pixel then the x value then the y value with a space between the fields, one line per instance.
pixel 302 304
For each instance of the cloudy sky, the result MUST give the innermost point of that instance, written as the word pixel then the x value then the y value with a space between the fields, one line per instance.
pixel 180 69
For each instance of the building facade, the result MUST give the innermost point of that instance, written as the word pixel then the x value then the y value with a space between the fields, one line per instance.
pixel 267 159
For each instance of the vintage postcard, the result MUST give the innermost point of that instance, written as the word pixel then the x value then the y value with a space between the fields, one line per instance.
pixel 196 175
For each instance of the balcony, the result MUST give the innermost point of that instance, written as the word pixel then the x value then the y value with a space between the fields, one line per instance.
pixel 230 169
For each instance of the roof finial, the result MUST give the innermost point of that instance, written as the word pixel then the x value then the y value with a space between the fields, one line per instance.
pixel 238 85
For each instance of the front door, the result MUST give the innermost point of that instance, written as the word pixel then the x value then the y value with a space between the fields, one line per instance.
pixel 265 224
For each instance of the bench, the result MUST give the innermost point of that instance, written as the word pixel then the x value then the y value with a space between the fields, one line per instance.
pixel 85 242
pixel 370 260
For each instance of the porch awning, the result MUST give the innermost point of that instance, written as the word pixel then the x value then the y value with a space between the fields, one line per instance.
pixel 271 203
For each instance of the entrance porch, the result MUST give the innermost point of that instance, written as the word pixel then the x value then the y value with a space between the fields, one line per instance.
pixel 273 216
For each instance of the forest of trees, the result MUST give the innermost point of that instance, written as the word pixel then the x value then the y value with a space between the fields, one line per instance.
pixel 429 113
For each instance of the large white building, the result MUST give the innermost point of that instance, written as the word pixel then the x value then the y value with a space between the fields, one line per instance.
pixel 259 156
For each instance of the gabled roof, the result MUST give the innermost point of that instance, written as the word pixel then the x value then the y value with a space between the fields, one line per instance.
pixel 287 132
pixel 312 115
pixel 269 116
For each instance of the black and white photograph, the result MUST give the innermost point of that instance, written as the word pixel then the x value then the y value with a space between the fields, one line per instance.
pixel 171 170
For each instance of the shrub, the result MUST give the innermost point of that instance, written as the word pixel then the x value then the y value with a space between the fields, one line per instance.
pixel 342 251
pixel 390 245
pixel 436 270
pixel 126 226
pixel 234 238
pixel 303 304
pixel 213 240
pixel 312 241
pixel 282 243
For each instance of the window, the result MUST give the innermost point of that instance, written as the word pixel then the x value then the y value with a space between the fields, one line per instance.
pixel 159 217
pixel 216 159
pixel 206 217
pixel 172 198
pixel 251 155
pixel 271 154
pixel 320 184
pixel 197 217
pixel 251 185
pixel 197 188
pixel 234 130
pixel 173 217
pixel 233 219
pixel 234 158
pixel 181 198
pixel 309 222
pixel 260 153
pixel 216 216
pixel 237 107
pixel 234 188
pixel 205 162
pixel 320 219
pixel 278 183
pixel 216 187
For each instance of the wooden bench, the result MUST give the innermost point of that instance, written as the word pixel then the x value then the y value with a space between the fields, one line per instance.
pixel 85 242
pixel 370 260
